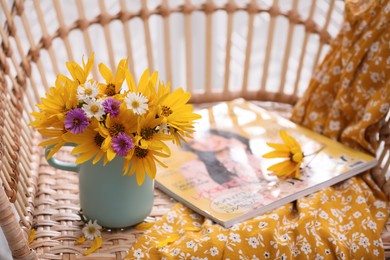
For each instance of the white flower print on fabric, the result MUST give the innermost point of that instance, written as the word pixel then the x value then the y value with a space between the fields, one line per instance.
pixel 262 224
pixel 354 247
pixel 323 215
pixel 306 248
pixel 190 244
pixel 325 80
pixel 380 214
pixel 364 242
pixel 334 125
pixel 379 204
pixel 372 225
pixel 214 251
pixel 345 83
pixel 296 252
pixel 138 254
pixel 235 237
pixel 365 68
pixel 375 77
pixel 176 252
pixel 222 237
pixel 360 200
pixel 336 70
pixel 350 66
pixel 384 108
pixel 374 47
pixel 313 116
pixel 253 242
pixel 167 227
pixel 367 116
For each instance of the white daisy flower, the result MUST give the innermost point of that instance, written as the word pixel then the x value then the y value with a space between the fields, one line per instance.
pixel 94 108
pixel 137 102
pixel 87 91
pixel 91 230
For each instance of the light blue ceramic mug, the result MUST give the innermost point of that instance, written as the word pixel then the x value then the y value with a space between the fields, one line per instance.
pixel 114 200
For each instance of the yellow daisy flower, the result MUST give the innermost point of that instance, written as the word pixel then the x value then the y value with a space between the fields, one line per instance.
pixel 141 161
pixel 148 136
pixel 125 122
pixel 78 73
pixel 291 150
pixel 88 144
pixel 113 83
pixel 50 119
pixel 175 112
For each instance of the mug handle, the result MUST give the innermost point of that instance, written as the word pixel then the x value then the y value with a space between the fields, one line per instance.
pixel 61 165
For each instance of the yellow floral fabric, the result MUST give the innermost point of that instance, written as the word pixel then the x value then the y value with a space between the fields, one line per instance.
pixel 343 221
pixel 348 95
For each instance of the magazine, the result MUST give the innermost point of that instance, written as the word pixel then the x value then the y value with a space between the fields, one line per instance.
pixel 221 173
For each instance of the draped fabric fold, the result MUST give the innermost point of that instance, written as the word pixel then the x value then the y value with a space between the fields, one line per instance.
pixel 347 97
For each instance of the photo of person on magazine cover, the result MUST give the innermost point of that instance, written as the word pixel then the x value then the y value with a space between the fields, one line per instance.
pixel 226 157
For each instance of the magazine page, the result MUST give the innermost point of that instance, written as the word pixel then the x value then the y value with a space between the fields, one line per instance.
pixel 221 173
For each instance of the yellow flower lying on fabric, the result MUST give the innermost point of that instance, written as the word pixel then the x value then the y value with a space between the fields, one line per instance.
pixel 291 150
pixel 91 231
pixel 115 117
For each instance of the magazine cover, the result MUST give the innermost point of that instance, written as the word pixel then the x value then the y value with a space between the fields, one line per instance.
pixel 221 172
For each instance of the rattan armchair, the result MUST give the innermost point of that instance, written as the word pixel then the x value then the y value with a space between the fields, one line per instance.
pixel 217 50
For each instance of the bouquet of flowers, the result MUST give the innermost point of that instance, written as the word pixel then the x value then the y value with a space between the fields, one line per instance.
pixel 115 117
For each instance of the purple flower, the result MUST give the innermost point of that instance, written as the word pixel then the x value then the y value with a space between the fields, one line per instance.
pixel 111 106
pixel 76 121
pixel 122 144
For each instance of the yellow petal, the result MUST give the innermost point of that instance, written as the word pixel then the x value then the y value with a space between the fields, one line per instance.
pixel 31 236
pixel 130 81
pixel 279 147
pixel 195 229
pixel 277 154
pixel 80 240
pixel 96 244
pixel 170 239
pixel 140 176
pixel 288 139
pixel 297 171
pixel 278 166
pixel 144 226
pixel 106 73
pixel 285 168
